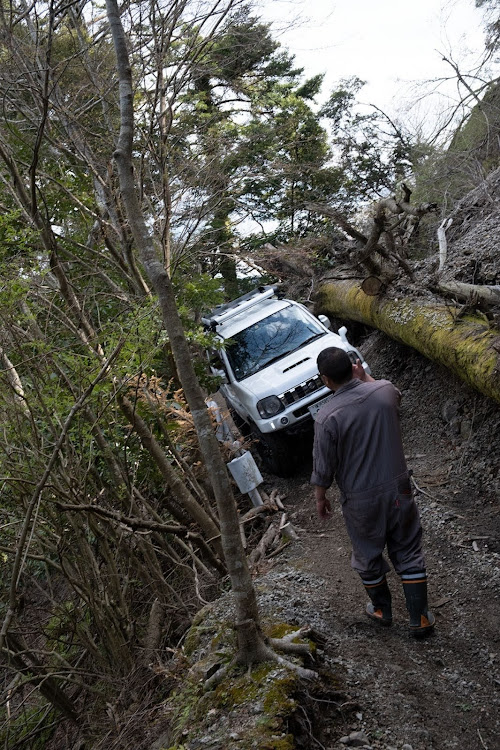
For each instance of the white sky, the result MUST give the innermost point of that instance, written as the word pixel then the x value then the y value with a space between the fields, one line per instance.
pixel 388 43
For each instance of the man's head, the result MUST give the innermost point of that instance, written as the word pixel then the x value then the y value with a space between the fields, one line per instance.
pixel 335 367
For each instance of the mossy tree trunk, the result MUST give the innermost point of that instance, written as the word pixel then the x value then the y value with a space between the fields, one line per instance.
pixel 467 345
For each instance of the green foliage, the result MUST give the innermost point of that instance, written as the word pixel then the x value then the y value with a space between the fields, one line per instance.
pixel 259 148
pixel 17 239
pixel 34 726
pixel 374 152
pixel 196 294
pixel 252 41
pixel 341 101
pixel 311 88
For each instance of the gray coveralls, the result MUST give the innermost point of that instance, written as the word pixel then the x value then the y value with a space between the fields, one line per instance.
pixel 357 442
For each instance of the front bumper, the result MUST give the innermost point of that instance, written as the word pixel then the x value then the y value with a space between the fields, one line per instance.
pixel 295 418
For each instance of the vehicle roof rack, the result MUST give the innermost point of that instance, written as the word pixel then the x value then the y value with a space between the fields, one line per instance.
pixel 223 312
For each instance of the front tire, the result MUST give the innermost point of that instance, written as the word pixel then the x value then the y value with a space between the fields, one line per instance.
pixel 240 424
pixel 276 452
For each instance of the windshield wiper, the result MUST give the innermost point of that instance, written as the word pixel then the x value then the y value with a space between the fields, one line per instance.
pixel 307 341
pixel 285 354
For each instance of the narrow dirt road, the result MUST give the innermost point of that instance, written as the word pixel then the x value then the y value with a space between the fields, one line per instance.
pixel 442 692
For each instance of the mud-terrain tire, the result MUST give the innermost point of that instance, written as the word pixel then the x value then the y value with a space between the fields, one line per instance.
pixel 276 453
pixel 240 424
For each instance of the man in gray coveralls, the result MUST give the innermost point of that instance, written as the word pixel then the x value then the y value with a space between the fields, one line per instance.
pixel 357 442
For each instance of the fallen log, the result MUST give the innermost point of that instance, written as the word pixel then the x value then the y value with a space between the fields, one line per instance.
pixel 468 346
pixel 265 543
pixel 489 294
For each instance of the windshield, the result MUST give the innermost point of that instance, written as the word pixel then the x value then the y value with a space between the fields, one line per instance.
pixel 270 339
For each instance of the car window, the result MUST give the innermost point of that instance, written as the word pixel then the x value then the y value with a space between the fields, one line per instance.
pixel 270 339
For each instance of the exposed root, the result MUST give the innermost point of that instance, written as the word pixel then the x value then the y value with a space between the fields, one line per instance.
pixel 218 676
pixel 282 643
pixel 267 652
pixel 305 674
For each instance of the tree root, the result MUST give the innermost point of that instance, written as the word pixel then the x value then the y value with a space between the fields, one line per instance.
pixel 305 674
pixel 218 676
pixel 267 652
pixel 287 643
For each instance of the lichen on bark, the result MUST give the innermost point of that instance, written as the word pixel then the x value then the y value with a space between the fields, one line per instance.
pixel 468 345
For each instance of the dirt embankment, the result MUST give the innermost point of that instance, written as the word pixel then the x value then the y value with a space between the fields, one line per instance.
pixel 443 692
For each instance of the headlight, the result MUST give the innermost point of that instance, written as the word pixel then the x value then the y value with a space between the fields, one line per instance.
pixel 269 407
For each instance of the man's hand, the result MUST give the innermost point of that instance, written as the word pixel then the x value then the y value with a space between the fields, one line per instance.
pixel 322 503
pixel 360 373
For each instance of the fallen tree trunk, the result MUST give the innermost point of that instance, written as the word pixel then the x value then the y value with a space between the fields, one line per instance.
pixel 488 294
pixel 467 346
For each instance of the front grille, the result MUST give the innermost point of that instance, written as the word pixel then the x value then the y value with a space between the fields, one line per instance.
pixel 300 391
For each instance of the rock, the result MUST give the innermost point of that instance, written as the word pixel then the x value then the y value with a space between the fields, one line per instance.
pixel 355 739
pixel 163 739
pixel 449 411
pixel 465 429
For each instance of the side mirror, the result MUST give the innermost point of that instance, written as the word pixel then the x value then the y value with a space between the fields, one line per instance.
pixel 217 367
pixel 343 334
pixel 221 374
pixel 325 320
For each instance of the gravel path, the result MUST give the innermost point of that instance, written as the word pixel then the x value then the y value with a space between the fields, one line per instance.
pixel 443 692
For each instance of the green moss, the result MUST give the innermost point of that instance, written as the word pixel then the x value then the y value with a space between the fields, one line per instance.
pixel 254 705
pixel 237 691
pixel 223 638
pixel 183 704
pixel 223 634
pixel 280 629
pixel 201 615
pixel 279 700
pixel 279 743
pixel 264 698
pixel 193 638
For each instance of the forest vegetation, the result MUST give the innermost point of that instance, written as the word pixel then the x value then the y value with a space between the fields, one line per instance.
pixel 157 159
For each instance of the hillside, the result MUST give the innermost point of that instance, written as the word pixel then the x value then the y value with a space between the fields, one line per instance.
pixel 393 693
pixel 380 689
pixel 442 693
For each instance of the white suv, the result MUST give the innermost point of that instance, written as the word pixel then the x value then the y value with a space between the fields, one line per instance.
pixel 270 380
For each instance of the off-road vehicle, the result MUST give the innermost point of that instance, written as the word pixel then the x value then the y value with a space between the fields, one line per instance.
pixel 268 371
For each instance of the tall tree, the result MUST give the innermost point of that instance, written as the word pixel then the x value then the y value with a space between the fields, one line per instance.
pixel 374 151
pixel 251 644
pixel 86 453
pixel 241 145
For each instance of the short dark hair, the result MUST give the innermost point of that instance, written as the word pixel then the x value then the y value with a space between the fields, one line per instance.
pixel 335 364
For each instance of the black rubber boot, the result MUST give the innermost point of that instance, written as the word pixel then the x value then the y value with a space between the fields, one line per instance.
pixel 379 608
pixel 422 621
